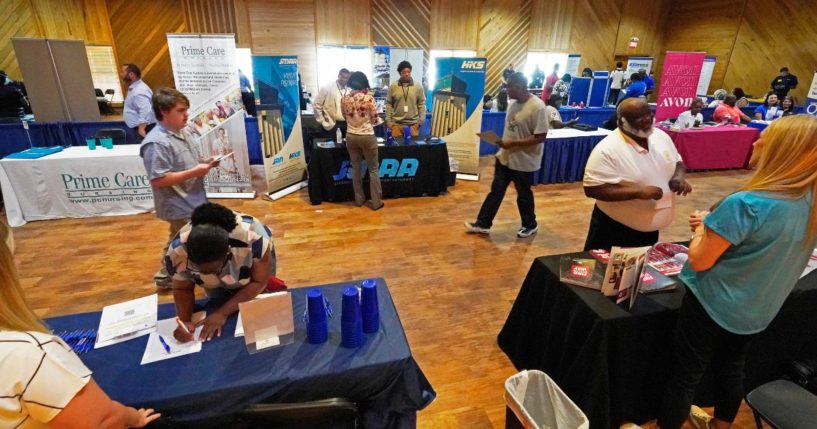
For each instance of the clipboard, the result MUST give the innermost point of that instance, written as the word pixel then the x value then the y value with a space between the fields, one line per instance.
pixel 490 137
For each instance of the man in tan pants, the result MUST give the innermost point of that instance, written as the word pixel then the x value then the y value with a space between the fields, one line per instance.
pixel 405 104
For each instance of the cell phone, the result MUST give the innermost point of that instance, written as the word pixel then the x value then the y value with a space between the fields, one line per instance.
pixel 222 157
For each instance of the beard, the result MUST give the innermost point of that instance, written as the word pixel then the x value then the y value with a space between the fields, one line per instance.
pixel 629 129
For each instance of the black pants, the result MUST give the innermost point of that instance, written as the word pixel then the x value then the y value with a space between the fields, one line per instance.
pixel 503 176
pixel 700 343
pixel 248 100
pixel 613 97
pixel 605 232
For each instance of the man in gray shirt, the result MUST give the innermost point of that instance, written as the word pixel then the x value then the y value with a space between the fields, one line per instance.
pixel 137 111
pixel 520 154
pixel 174 167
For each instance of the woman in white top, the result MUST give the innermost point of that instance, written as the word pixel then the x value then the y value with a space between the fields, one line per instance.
pixel 42 382
pixel 718 96
pixel 692 117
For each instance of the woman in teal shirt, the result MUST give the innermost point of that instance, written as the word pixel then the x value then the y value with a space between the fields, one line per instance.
pixel 744 259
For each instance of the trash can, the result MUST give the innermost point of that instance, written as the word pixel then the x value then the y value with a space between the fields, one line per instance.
pixel 535 401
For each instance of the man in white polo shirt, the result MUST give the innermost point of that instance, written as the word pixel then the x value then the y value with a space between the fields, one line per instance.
pixel 633 175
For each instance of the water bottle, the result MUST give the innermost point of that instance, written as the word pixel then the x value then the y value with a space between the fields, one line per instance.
pixel 338 136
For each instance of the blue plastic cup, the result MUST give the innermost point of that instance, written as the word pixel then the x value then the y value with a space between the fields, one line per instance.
pixel 368 307
pixel 407 135
pixel 315 306
pixel 106 142
pixel 91 142
pixel 351 305
pixel 317 332
pixel 351 333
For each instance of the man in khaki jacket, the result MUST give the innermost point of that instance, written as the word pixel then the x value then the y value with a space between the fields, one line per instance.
pixel 327 104
pixel 405 104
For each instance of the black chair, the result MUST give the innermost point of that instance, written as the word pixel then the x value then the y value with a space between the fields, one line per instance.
pixel 783 405
pixel 103 103
pixel 117 134
pixel 111 93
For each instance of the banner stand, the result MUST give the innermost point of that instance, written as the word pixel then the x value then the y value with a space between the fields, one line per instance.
pixel 230 195
pixel 288 190
pixel 469 177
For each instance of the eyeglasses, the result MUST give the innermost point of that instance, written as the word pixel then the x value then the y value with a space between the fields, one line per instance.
pixel 196 271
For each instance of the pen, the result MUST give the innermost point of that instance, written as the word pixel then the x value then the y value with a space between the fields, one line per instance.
pixel 182 325
pixel 164 344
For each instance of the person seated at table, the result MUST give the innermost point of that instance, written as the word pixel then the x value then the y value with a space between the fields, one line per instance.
pixel 637 86
pixel 632 174
pixel 742 100
pixel 553 115
pixel 42 382
pixel 692 117
pixel 229 254
pixel 12 101
pixel 562 87
pixel 718 97
pixel 769 110
pixel 745 257
pixel 727 112
pixel 788 105
pixel 487 102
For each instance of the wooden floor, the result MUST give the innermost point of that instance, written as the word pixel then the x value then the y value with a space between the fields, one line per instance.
pixel 452 290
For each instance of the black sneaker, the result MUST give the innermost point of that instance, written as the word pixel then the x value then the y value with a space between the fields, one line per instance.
pixel 473 228
pixel 526 232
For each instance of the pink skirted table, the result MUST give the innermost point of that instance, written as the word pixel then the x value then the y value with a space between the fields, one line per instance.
pixel 715 148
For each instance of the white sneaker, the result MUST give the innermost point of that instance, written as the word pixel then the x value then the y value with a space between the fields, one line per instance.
pixel 526 232
pixel 473 228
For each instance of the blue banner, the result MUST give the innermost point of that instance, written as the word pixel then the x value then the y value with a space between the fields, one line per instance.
pixel 279 122
pixel 455 103
pixel 811 97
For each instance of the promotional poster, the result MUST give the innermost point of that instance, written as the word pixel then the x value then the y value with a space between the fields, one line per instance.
pixel 634 64
pixel 381 66
pixel 811 97
pixel 205 70
pixel 456 110
pixel 279 121
pixel 572 68
pixel 679 83
pixel 706 76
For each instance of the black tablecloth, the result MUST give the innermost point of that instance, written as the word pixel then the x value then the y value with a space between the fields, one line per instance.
pixel 381 376
pixel 330 172
pixel 613 363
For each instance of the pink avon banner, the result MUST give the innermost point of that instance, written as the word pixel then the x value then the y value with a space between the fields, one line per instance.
pixel 679 83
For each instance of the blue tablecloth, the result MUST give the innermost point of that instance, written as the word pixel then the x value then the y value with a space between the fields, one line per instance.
pixel 564 159
pixel 381 376
pixel 759 125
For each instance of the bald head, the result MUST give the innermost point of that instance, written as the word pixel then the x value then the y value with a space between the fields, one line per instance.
pixel 635 117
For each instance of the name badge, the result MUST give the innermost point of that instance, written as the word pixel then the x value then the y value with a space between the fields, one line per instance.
pixel 405 109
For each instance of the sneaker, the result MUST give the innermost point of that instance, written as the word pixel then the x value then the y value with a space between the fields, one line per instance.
pixel 163 285
pixel 473 228
pixel 526 232
pixel 699 418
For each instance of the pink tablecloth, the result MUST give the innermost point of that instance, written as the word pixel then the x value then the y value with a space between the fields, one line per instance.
pixel 715 147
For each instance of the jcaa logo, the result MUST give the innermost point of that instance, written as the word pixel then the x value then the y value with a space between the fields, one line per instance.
pixel 389 168
pixel 277 160
pixel 294 154
pixel 476 65
pixel 288 61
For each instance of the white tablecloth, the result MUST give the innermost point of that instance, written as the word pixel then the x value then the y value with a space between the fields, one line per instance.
pixel 76 182
pixel 569 133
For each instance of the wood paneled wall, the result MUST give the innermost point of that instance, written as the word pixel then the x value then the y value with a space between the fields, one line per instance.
pixel 209 16
pixel 455 24
pixel 286 27
pixel 140 35
pixel 343 22
pixel 404 24
pixel 504 26
pixel 69 19
pixel 772 36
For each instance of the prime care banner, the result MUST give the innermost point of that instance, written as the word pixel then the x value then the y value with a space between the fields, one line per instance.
pixel 679 83
pixel 811 97
pixel 206 71
pixel 456 110
pixel 279 121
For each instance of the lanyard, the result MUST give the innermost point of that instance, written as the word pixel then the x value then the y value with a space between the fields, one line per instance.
pixel 405 93
pixel 342 91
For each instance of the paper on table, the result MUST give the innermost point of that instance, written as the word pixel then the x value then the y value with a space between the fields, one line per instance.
pixel 155 352
pixel 239 326
pixel 129 319
pixel 490 137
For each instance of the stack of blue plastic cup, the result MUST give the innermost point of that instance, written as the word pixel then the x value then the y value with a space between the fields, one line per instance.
pixel 351 328
pixel 368 306
pixel 407 135
pixel 317 329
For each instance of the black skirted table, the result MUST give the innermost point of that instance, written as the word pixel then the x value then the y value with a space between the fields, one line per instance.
pixel 405 171
pixel 381 376
pixel 613 362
